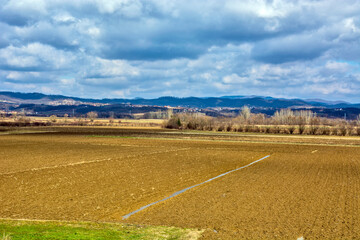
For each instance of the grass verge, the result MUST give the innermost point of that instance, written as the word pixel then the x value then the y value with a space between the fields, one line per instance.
pixel 31 230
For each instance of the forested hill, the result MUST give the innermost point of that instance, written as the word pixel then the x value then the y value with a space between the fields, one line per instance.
pixel 192 102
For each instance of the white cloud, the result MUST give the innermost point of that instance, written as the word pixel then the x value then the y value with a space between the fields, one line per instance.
pixel 68 81
pixel 29 6
pixel 335 88
pixel 234 79
pixel 49 90
pixel 113 68
pixel 35 55
pixel 156 47
pixel 261 8
pixel 64 18
pixel 337 66
pixel 22 76
pixel 121 93
pixel 127 8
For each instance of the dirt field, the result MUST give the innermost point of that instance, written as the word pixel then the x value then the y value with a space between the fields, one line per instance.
pixel 308 187
pixel 62 121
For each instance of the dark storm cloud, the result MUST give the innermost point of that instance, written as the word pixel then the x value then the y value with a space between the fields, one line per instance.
pixel 190 33
pixel 153 52
pixel 290 48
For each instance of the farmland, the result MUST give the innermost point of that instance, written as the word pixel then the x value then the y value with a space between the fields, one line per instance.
pixel 309 186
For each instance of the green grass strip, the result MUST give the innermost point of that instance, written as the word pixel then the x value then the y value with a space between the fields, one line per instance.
pixel 54 230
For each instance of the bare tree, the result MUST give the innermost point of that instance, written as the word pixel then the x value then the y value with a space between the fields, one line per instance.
pixel 111 117
pixel 66 116
pixel 53 118
pixel 169 113
pixel 284 117
pixel 314 125
pixel 14 115
pixel 245 113
pixel 92 115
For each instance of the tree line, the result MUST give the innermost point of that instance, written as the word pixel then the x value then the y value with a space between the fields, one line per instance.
pixel 285 121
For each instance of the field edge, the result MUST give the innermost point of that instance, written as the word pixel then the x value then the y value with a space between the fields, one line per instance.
pixel 13 229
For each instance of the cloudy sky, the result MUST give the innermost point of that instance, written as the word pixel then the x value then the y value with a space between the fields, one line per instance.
pixel 152 48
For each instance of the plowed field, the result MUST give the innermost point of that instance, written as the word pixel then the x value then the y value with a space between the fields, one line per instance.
pixel 305 188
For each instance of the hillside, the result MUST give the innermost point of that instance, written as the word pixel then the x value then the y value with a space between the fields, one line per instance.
pixel 191 102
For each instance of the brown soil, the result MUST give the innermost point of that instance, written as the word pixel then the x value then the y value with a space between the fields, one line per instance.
pixel 77 177
pixel 78 174
pixel 291 194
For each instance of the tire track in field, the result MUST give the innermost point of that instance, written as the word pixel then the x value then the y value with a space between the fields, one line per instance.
pixel 188 188
pixel 92 161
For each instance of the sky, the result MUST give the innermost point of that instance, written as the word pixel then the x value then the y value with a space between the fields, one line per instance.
pixel 307 49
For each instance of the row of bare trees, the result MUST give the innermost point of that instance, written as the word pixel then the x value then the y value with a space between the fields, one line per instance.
pixel 284 121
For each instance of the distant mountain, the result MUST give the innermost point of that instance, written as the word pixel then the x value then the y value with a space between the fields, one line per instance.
pixel 39 98
pixel 194 102
pixel 190 102
pixel 326 102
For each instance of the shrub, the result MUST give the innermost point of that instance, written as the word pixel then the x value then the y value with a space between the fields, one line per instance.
pixel 334 131
pixel 358 131
pixel 342 131
pixel 220 128
pixel 208 128
pixel 38 124
pixel 324 131
pixel 276 129
pixel 291 129
pixel 256 129
pixel 228 128
pixel 267 129
pixel 173 123
pixel 248 128
pixel 313 129
pixel 191 125
pixel 301 129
